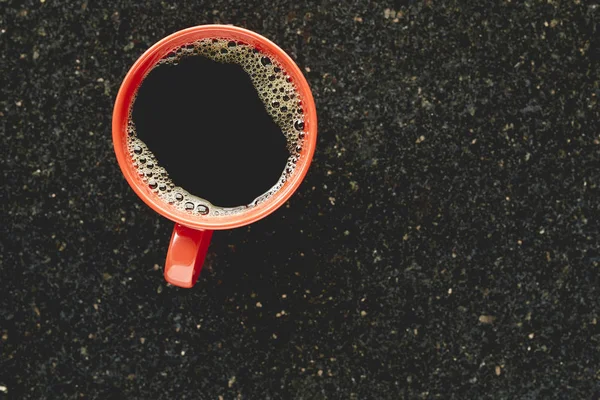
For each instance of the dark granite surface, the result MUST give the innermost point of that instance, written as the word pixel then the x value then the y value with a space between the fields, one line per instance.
pixel 445 243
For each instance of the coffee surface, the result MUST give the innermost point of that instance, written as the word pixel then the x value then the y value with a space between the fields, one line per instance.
pixel 206 125
pixel 215 127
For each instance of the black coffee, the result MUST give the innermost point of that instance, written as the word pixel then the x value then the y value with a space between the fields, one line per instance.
pixel 215 125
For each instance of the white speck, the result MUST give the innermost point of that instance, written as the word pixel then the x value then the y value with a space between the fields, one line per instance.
pixel 376 256
pixel 363 313
pixel 332 201
pixel 259 304
pixel 527 156
pixel 231 381
pixel 420 139
pixel 320 372
pixel 3 389
pixel 307 69
pixel 542 231
pixel 19 103
pixel 531 335
pixel 528 348
pixel 183 352
pixel 284 296
pixel 450 291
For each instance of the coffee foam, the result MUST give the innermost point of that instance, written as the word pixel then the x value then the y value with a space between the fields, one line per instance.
pixel 277 92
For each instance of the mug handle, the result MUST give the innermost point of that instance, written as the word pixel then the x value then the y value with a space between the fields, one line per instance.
pixel 186 254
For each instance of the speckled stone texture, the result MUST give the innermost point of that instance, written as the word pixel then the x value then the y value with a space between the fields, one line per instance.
pixel 445 243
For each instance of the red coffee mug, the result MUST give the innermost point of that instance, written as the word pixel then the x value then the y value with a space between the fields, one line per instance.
pixel 192 233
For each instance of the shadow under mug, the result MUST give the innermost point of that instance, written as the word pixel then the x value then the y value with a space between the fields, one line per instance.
pixel 192 233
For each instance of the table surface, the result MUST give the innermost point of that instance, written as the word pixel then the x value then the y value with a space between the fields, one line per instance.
pixel 445 243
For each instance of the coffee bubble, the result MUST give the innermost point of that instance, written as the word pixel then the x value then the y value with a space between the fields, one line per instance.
pixel 277 92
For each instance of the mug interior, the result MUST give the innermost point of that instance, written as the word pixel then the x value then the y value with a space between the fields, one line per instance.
pixel 127 94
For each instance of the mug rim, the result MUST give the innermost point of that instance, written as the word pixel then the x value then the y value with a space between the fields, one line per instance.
pixel 126 94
